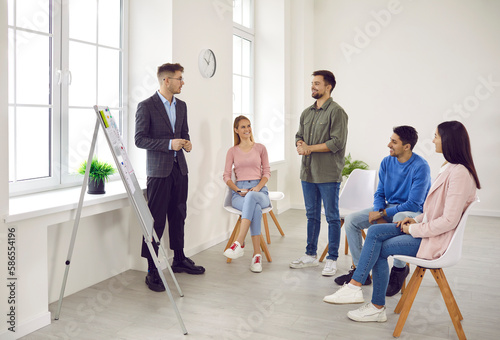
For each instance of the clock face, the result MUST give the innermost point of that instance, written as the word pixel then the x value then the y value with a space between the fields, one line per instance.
pixel 207 63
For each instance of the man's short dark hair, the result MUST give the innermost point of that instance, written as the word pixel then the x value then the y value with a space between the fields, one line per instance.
pixel 407 134
pixel 328 77
pixel 169 69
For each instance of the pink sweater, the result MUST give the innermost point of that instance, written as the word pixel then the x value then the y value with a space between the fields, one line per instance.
pixel 250 165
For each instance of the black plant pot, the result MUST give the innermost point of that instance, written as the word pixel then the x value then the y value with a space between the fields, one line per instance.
pixel 96 187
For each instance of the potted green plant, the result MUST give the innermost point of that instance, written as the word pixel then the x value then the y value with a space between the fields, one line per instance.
pixel 99 173
pixel 351 165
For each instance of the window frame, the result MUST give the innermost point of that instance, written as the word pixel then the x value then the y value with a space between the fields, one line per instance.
pixel 60 176
pixel 247 33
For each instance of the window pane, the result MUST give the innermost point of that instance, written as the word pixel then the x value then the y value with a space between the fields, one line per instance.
pixel 33 15
pixel 245 57
pixel 109 22
pixel 236 94
pixel 81 124
pixel 81 131
pixel 82 63
pixel 83 20
pixel 246 13
pixel 33 68
pixel 109 77
pixel 242 12
pixel 237 54
pixel 32 142
pixel 245 95
pixel 11 66
pixel 11 145
pixel 10 9
pixel 237 11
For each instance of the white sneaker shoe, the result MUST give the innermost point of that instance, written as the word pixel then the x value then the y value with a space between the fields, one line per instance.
pixel 234 251
pixel 256 265
pixel 305 261
pixel 368 313
pixel 345 295
pixel 330 268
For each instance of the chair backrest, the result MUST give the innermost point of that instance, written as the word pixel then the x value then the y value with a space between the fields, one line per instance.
pixel 358 190
pixel 454 251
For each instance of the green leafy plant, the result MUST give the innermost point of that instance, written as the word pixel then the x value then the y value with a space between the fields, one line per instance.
pixel 350 165
pixel 99 171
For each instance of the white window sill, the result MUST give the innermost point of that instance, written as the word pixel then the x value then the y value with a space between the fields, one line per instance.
pixel 51 202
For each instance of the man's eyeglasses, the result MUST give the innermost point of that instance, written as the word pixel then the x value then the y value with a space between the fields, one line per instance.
pixel 179 79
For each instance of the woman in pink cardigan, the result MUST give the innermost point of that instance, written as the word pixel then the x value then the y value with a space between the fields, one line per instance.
pixel 426 236
pixel 250 195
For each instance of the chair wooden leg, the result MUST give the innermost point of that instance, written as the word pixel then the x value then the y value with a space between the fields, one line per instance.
pixel 266 228
pixel 407 299
pixel 264 248
pixel 450 301
pixel 402 300
pixel 324 254
pixel 276 222
pixel 404 281
pixel 233 237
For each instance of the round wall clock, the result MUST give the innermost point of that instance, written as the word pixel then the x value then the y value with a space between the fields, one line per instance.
pixel 207 63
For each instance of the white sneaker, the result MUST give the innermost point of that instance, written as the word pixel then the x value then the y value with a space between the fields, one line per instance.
pixel 234 251
pixel 344 295
pixel 330 268
pixel 305 261
pixel 256 265
pixel 368 313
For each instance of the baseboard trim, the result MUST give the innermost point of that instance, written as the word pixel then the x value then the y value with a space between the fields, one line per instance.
pixel 27 327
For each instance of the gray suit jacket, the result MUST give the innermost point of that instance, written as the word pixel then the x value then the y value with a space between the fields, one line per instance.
pixel 153 132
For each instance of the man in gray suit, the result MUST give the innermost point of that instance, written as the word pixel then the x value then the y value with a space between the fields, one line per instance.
pixel 161 128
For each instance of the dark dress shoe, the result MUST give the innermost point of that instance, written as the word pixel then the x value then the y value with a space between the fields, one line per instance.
pixel 153 280
pixel 187 265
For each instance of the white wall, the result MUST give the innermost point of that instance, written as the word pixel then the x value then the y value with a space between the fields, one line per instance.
pixel 417 63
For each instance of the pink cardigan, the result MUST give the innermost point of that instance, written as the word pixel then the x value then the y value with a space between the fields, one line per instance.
pixel 449 196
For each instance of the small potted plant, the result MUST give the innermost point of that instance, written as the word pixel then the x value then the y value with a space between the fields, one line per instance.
pixel 99 173
pixel 351 165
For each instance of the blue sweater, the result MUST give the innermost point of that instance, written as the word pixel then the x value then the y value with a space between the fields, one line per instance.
pixel 405 184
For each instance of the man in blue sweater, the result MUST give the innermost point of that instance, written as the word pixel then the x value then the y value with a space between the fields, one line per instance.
pixel 404 180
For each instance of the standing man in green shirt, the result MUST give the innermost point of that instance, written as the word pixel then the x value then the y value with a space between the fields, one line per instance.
pixel 321 141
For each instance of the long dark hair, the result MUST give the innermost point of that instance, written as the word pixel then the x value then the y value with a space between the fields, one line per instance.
pixel 456 146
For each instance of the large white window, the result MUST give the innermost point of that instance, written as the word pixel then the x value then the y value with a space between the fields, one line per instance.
pixel 64 57
pixel 243 75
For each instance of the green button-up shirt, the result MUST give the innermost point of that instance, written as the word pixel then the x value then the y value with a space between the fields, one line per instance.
pixel 325 125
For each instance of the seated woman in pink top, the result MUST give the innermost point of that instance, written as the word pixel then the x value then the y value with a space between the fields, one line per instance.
pixel 426 236
pixel 250 195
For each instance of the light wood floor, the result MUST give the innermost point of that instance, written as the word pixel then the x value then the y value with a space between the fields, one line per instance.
pixel 230 302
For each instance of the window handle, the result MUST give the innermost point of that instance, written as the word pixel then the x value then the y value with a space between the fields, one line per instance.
pixel 59 77
pixel 70 77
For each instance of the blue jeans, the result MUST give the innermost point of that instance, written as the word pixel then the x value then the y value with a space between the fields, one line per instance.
pixel 314 193
pixel 252 204
pixel 358 221
pixel 382 241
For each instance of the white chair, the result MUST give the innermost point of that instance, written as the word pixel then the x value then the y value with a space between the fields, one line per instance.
pixel 450 257
pixel 356 195
pixel 273 195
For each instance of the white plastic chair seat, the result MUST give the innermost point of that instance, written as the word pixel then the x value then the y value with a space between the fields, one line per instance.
pixel 452 254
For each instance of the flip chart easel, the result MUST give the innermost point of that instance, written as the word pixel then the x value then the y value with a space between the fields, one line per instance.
pixel 136 197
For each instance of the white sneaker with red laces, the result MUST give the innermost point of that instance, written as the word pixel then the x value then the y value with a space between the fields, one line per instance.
pixel 256 265
pixel 235 251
